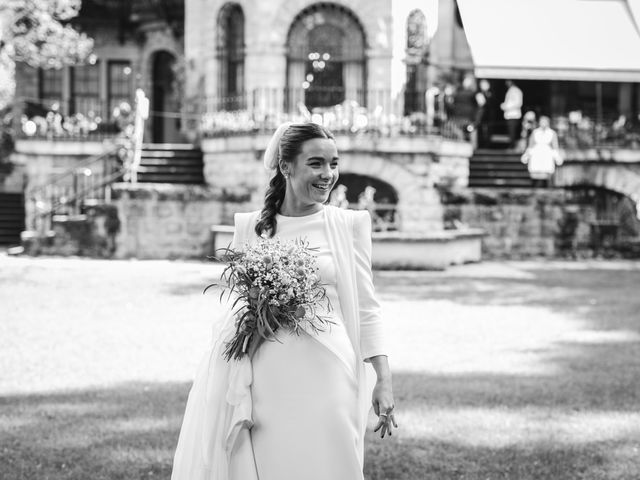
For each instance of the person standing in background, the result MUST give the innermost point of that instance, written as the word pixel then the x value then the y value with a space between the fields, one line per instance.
pixel 512 109
pixel 484 113
pixel 543 154
pixel 465 106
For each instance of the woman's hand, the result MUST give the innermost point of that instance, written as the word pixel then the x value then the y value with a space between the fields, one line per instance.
pixel 383 406
pixel 382 398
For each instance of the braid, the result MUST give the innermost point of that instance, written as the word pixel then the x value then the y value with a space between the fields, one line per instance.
pixel 272 201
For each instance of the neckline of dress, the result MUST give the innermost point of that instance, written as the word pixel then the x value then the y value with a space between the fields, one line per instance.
pixel 311 215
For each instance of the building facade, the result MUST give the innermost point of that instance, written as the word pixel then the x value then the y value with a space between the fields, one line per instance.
pixel 387 76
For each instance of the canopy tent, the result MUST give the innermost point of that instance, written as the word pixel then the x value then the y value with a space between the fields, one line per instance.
pixel 580 40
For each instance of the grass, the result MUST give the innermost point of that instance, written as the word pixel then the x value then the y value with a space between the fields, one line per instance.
pixel 516 371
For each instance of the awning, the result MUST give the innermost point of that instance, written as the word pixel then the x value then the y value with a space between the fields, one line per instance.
pixel 582 40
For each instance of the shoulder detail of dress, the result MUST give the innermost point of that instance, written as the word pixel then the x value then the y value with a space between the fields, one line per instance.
pixel 244 223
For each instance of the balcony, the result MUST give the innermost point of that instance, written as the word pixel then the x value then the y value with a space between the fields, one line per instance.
pixel 359 112
pixel 92 120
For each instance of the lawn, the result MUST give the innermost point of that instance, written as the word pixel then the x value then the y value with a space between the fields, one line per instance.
pixel 501 370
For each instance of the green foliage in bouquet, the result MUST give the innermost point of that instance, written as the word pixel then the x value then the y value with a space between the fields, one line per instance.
pixel 275 284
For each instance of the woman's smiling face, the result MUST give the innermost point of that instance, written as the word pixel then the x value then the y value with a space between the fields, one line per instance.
pixel 313 174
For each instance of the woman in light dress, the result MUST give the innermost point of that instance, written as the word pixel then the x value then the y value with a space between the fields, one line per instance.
pixel 542 155
pixel 298 408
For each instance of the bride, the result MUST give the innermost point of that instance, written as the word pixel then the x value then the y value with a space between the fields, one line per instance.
pixel 298 408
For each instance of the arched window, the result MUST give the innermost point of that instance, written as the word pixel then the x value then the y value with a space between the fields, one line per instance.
pixel 417 55
pixel 231 52
pixel 326 57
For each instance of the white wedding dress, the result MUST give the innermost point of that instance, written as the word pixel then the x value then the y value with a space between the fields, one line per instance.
pixel 298 410
pixel 304 391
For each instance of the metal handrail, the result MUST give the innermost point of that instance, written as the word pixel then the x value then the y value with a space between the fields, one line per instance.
pixel 59 178
pixel 72 187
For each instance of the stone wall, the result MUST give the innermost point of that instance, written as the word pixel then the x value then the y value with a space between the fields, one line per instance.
pixel 169 221
pixel 521 223
pixel 413 166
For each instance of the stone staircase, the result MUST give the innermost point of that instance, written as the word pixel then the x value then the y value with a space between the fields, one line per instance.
pixel 498 168
pixel 11 218
pixel 171 163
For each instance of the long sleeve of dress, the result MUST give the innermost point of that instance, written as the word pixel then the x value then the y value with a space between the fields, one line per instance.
pixel 372 336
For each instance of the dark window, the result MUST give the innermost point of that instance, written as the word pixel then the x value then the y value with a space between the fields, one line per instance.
pixel 119 85
pixel 325 58
pixel 51 88
pixel 231 57
pixel 324 82
pixel 85 90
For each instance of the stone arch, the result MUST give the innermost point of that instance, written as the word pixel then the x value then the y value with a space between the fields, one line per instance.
pixel 359 190
pixel 624 179
pixel 156 41
pixel 289 10
pixel 418 207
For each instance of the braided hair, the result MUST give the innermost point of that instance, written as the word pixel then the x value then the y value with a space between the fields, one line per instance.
pixel 290 146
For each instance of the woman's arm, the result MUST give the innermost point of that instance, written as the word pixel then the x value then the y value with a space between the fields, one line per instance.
pixel 373 344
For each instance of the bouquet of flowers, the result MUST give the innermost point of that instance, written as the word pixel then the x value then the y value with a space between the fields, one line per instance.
pixel 275 284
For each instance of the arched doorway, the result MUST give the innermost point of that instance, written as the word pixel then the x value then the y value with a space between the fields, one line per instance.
pixel 165 122
pixel 325 57
pixel 369 193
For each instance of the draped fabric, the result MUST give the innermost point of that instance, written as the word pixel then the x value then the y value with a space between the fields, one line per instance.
pixel 214 442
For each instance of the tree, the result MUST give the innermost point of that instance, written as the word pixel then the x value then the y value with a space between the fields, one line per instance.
pixel 38 32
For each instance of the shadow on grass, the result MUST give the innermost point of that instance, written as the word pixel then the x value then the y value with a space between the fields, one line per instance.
pixel 607 296
pixel 459 427
pixel 125 432
pixel 578 421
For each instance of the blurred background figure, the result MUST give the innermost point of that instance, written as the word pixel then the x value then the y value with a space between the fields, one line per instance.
pixel 338 197
pixel 465 106
pixel 484 113
pixel 528 126
pixel 512 111
pixel 543 154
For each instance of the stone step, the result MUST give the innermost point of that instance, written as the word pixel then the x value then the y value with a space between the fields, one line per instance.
pixel 495 159
pixel 497 166
pixel 171 161
pixel 501 182
pixel 11 218
pixel 191 179
pixel 149 169
pixel 502 174
pixel 172 154
pixel 168 146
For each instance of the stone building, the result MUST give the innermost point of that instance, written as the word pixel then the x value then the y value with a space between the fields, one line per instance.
pixel 385 75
